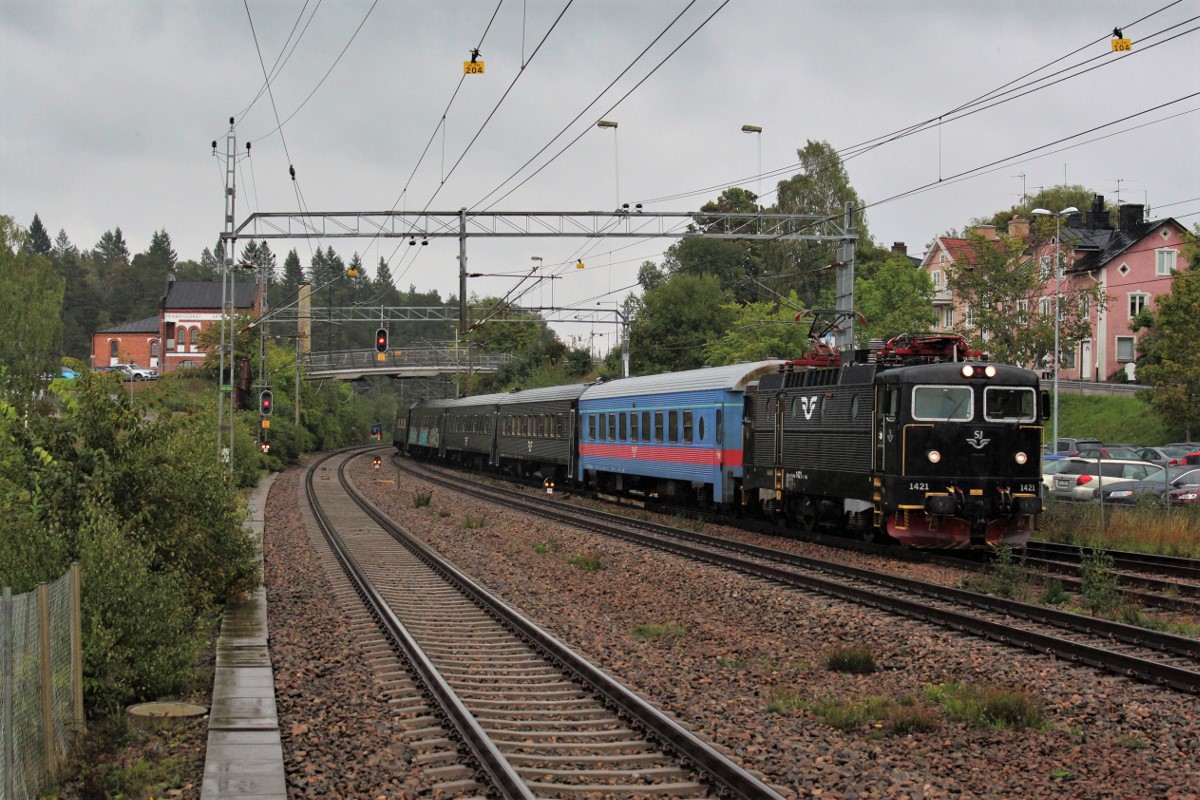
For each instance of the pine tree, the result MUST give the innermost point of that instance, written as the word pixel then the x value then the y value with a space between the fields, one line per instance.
pixel 38 240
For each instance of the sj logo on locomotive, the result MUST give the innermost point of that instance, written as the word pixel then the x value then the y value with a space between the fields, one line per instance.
pixel 977 441
pixel 809 405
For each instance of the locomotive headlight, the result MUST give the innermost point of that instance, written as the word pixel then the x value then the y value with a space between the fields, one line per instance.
pixel 968 370
pixel 1021 458
pixel 934 456
pixel 989 371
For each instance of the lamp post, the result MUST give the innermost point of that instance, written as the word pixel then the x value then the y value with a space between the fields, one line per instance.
pixel 756 129
pixel 1042 212
pixel 608 123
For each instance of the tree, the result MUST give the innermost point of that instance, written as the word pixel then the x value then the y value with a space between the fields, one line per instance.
pixel 1011 316
pixel 668 332
pixel 759 331
pixel 38 241
pixel 31 325
pixel 1054 198
pixel 894 298
pixel 822 187
pixel 1170 345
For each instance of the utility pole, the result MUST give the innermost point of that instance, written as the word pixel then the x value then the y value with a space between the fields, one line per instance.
pixel 225 383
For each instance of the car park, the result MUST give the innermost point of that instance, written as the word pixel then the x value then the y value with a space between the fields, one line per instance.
pixel 1165 455
pixel 1130 493
pixel 1079 481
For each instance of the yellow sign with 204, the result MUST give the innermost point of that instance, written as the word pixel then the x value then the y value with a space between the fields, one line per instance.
pixel 472 68
pixel 1122 45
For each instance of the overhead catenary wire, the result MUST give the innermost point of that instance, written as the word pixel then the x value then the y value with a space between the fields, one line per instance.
pixel 965 109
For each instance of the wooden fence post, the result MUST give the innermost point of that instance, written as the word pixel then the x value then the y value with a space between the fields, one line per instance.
pixel 79 725
pixel 7 662
pixel 43 601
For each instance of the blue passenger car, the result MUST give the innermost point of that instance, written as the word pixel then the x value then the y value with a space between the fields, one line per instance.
pixel 677 435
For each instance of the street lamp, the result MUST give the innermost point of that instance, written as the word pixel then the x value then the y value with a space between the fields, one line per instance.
pixel 757 129
pixel 608 123
pixel 1042 212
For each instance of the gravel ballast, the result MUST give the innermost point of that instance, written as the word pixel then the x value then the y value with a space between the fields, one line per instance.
pixel 738 660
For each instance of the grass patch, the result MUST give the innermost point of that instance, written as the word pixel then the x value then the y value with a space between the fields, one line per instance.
pixel 115 761
pixel 1005 577
pixel 878 715
pixel 1099 592
pixel 1053 593
pixel 656 630
pixel 588 562
pixel 1145 528
pixel 548 546
pixel 855 660
pixel 474 523
pixel 421 499
pixel 781 699
pixel 987 706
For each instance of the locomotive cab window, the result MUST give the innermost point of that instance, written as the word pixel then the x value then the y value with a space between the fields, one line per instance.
pixel 943 403
pixel 1010 404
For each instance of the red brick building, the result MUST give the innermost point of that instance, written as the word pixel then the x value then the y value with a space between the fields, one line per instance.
pixel 171 339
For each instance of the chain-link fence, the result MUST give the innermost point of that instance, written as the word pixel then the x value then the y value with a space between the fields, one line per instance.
pixel 41 683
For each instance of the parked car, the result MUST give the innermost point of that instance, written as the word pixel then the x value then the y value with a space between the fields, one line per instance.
pixel 1184 496
pixel 1079 480
pixel 1126 452
pixel 1130 493
pixel 130 372
pixel 1070 447
pixel 1166 455
pixel 1051 466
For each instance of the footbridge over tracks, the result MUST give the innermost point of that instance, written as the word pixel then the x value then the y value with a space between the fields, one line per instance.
pixel 418 362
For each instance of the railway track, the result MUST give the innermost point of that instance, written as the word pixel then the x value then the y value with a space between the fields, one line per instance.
pixel 533 718
pixel 1165 659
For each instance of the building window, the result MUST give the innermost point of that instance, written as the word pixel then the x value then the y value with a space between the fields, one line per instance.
pixel 112 349
pixel 154 348
pixel 1085 305
pixel 1125 349
pixel 1137 303
pixel 970 316
pixel 1067 355
pixel 947 317
pixel 937 279
pixel 1044 265
pixel 1023 311
pixel 193 335
pixel 1044 307
pixel 181 343
pixel 1164 262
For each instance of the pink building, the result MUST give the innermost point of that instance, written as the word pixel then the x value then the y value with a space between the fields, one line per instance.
pixel 1131 263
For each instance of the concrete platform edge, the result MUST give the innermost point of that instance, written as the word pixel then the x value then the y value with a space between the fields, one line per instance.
pixel 244 758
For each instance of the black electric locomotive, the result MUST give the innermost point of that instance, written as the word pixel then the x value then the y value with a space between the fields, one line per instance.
pixel 919 441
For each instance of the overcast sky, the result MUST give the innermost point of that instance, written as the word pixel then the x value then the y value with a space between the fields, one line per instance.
pixel 109 110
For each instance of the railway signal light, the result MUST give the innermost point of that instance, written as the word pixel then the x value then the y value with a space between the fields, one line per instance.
pixel 264 402
pixel 381 340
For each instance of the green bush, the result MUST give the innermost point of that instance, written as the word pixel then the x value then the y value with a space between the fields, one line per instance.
pixel 141 636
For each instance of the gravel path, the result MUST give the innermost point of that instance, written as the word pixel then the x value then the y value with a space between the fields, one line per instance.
pixel 738 660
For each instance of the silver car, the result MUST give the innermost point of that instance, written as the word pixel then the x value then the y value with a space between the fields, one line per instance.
pixel 1079 481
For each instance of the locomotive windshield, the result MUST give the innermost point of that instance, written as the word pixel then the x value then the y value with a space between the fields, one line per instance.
pixel 1009 404
pixel 943 403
